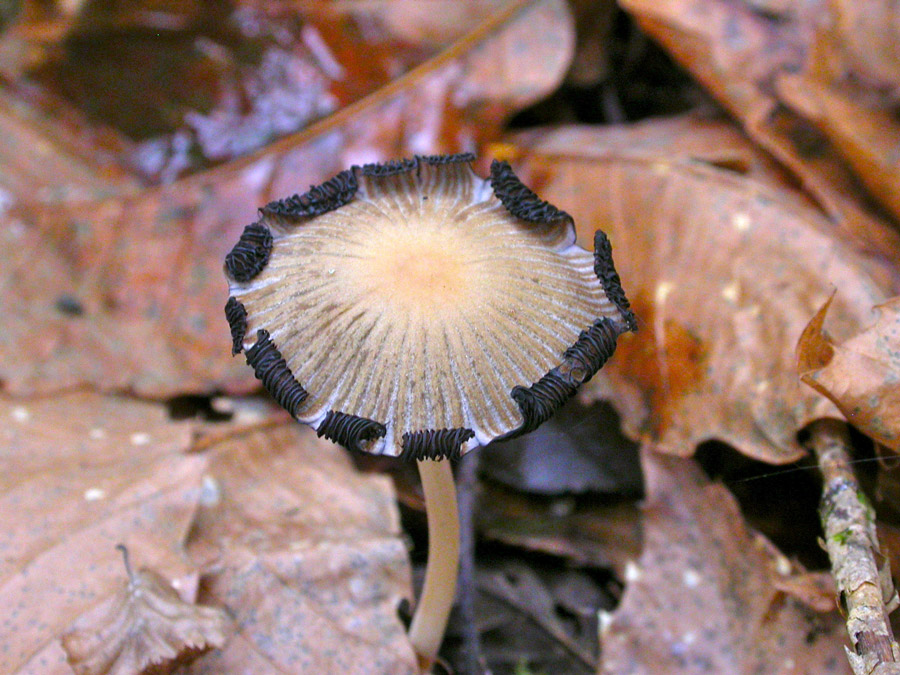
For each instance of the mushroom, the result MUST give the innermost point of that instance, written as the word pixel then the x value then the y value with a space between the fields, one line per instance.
pixel 417 310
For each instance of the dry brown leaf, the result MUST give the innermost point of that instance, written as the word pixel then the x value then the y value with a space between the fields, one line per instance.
pixel 47 163
pixel 147 270
pixel 723 273
pixel 79 474
pixel 146 628
pixel 306 555
pixel 709 138
pixel 861 375
pixel 865 133
pixel 584 534
pixel 860 39
pixel 703 598
pixel 738 51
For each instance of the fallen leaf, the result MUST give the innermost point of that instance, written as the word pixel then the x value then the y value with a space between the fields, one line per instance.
pixel 306 555
pixel 224 79
pixel 722 272
pixel 695 136
pixel 79 474
pixel 146 628
pixel 146 270
pixel 865 133
pixel 739 50
pixel 534 627
pixel 704 596
pixel 50 163
pixel 583 532
pixel 861 375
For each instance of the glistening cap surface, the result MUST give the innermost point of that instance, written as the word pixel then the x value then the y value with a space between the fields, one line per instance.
pixel 413 308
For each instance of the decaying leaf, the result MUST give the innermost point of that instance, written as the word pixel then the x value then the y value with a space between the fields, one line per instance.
pixel 146 270
pixel 145 628
pixel 739 50
pixel 225 79
pixel 305 553
pixel 723 273
pixel 581 532
pixel 704 597
pixel 861 375
pixel 80 473
pixel 46 163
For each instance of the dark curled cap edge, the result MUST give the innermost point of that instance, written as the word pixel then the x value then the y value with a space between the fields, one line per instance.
pixel 340 189
pixel 250 254
pixel 519 200
pixel 350 431
pixel 272 370
pixel 434 443
pixel 605 270
pixel 236 315
pixel 581 362
pixel 329 196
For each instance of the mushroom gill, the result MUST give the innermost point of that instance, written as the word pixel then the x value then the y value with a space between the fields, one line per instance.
pixel 413 308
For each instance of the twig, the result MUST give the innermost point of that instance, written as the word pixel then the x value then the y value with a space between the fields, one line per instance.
pixel 467 486
pixel 852 544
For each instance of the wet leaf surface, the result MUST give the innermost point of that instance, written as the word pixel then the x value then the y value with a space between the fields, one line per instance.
pixel 146 270
pixel 147 628
pixel 713 353
pixel 79 474
pixel 705 598
pixel 861 374
pixel 214 81
pixel 305 555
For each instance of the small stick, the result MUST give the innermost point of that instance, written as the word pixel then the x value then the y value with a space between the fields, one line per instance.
pixel 467 488
pixel 852 544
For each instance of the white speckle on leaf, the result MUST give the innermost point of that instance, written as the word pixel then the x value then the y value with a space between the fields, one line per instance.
pixel 691 578
pixel 140 438
pixel 93 494
pixel 97 433
pixel 731 291
pixel 741 221
pixel 20 414
pixel 689 638
pixel 210 491
pixel 663 289
pixel 605 619
pixel 632 571
pixel 783 566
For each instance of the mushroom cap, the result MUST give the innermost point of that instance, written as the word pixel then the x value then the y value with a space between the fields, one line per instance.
pixel 413 308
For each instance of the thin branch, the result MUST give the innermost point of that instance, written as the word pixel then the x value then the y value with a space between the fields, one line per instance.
pixel 866 591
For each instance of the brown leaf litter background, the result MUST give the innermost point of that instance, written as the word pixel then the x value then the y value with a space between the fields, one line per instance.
pixel 765 210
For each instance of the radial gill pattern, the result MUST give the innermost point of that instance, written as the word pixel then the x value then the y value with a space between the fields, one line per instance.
pixel 413 310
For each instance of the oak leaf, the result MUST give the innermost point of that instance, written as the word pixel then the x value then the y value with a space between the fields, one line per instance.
pixel 861 375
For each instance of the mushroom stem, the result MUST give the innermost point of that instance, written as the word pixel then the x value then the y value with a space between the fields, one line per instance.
pixel 430 620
